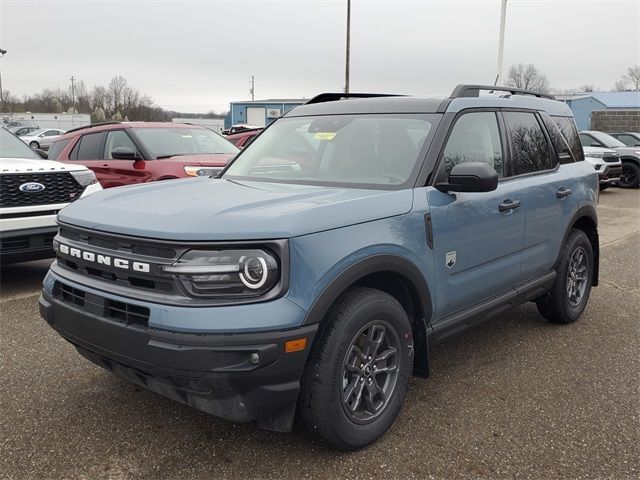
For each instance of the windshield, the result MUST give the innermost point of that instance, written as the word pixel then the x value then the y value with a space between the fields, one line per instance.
pixel 12 147
pixel 358 150
pixel 171 141
pixel 607 140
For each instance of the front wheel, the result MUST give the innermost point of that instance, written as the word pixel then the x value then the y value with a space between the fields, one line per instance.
pixel 34 145
pixel 358 370
pixel 568 297
pixel 630 177
pixel 604 186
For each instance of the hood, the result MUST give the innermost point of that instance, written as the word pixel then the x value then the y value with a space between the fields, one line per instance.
pixel 633 151
pixel 217 209
pixel 599 150
pixel 24 165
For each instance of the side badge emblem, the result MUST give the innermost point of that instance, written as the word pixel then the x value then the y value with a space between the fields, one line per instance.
pixel 450 259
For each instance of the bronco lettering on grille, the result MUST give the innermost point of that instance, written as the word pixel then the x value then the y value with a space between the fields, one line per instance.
pixel 107 260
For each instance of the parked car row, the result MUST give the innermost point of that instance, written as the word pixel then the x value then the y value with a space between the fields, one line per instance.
pixel 617 162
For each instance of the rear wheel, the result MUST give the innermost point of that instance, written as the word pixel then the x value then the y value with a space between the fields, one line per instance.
pixel 34 144
pixel 357 374
pixel 568 297
pixel 630 175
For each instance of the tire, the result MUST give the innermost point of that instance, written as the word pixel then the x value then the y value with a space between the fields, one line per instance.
pixel 604 186
pixel 565 303
pixel 34 145
pixel 349 422
pixel 630 177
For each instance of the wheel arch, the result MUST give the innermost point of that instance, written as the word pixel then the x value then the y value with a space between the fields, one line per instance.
pixel 635 160
pixel 399 278
pixel 586 219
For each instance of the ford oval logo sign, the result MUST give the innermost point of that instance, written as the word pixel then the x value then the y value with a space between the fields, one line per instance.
pixel 32 187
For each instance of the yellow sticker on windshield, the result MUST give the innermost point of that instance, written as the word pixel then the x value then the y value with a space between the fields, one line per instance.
pixel 186 136
pixel 324 135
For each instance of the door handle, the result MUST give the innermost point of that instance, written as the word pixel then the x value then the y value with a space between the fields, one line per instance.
pixel 563 192
pixel 509 205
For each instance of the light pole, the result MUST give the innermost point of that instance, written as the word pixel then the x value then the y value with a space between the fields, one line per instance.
pixel 503 15
pixel 2 54
pixel 346 73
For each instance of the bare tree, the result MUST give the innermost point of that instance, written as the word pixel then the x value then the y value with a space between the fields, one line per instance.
pixel 630 81
pixel 527 77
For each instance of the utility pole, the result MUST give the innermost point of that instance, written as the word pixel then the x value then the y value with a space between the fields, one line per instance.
pixel 503 15
pixel 253 87
pixel 73 94
pixel 2 54
pixel 346 73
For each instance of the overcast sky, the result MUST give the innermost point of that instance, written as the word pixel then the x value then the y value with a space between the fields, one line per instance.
pixel 198 55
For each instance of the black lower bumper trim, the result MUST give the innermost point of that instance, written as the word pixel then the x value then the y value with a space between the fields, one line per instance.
pixel 240 377
pixel 25 245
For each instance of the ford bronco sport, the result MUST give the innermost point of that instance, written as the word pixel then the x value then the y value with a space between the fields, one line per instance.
pixel 351 237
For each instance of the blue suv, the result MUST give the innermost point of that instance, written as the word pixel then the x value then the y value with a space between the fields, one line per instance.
pixel 315 275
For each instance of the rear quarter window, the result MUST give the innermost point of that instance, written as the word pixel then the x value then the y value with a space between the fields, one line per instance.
pixel 567 126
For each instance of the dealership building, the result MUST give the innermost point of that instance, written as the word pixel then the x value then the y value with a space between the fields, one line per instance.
pixel 259 112
pixel 590 108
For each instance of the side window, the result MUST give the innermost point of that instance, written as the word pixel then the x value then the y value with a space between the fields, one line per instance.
pixel 116 139
pixel 530 149
pixel 475 138
pixel 56 149
pixel 560 145
pixel 567 126
pixel 89 147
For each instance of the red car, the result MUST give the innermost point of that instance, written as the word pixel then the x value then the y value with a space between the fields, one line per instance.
pixel 137 152
pixel 242 139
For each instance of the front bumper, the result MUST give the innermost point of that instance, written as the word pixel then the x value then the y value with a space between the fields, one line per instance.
pixel 27 244
pixel 610 174
pixel 215 373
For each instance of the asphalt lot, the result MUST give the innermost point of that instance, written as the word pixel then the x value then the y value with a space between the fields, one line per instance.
pixel 514 398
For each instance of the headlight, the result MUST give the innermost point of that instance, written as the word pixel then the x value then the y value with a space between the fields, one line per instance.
pixel 594 155
pixel 194 171
pixel 226 273
pixel 85 177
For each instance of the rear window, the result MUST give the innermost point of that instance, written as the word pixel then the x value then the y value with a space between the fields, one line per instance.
pixel 56 148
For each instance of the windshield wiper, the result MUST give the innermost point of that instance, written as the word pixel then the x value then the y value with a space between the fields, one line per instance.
pixel 160 157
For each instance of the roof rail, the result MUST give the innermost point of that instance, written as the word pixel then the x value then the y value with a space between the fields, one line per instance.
pixel 91 126
pixel 330 97
pixel 474 91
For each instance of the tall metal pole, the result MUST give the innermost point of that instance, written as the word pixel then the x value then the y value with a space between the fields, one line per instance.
pixel 503 15
pixel 2 54
pixel 73 94
pixel 346 74
pixel 253 86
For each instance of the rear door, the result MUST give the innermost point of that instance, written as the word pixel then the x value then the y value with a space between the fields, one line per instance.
pixel 547 187
pixel 88 151
pixel 477 243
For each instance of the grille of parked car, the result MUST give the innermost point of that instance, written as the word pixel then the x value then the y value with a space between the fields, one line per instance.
pixel 101 306
pixel 58 188
pixel 611 158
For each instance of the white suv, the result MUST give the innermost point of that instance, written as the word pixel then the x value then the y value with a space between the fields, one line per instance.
pixel 606 162
pixel 32 192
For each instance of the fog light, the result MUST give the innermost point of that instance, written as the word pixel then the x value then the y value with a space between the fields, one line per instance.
pixel 254 359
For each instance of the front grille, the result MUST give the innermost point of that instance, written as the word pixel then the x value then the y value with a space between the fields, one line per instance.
pixel 611 158
pixel 98 305
pixel 60 187
pixel 26 242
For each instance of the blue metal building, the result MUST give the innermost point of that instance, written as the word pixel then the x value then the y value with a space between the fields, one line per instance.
pixel 259 112
pixel 583 104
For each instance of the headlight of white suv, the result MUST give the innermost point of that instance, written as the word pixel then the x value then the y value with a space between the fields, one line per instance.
pixel 85 177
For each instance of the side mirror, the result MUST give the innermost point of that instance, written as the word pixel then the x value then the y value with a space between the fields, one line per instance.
pixel 43 155
pixel 470 177
pixel 594 144
pixel 124 153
